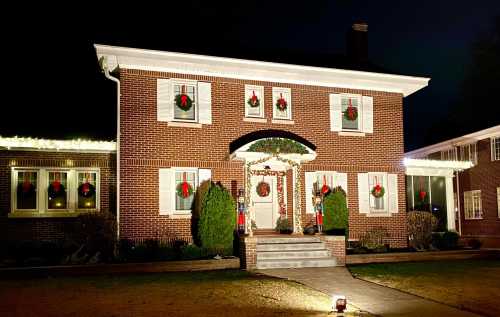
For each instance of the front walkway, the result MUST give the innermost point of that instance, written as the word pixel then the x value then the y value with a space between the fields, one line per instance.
pixel 366 296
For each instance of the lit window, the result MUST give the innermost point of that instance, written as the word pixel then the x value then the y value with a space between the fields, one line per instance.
pixel 57 197
pixel 185 187
pixel 495 149
pixel 185 101
pixel 26 190
pixel 351 112
pixel 472 205
pixel 87 190
pixel 377 185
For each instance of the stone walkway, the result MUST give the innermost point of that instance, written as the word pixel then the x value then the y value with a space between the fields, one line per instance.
pixel 369 297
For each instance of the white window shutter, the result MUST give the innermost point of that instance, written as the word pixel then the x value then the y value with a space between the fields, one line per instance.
pixel 342 181
pixel 310 179
pixel 363 194
pixel 335 112
pixel 204 175
pixel 166 191
pixel 205 102
pixel 367 114
pixel 392 188
pixel 164 100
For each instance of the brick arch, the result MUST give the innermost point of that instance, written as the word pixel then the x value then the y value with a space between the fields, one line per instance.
pixel 270 133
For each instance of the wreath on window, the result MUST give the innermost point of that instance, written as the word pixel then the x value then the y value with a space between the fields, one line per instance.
pixel 56 189
pixel 184 190
pixel 281 103
pixel 378 191
pixel 263 189
pixel 26 189
pixel 86 190
pixel 253 101
pixel 183 101
pixel 351 113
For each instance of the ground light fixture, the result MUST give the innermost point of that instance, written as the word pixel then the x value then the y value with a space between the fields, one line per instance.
pixel 339 303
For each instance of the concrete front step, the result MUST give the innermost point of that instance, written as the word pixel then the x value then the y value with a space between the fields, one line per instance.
pixel 268 240
pixel 296 263
pixel 271 255
pixel 291 246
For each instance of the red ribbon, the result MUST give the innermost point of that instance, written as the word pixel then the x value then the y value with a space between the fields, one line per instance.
pixel 184 100
pixel 350 110
pixel 422 195
pixel 254 98
pixel 378 188
pixel 26 183
pixel 325 189
pixel 185 186
pixel 282 101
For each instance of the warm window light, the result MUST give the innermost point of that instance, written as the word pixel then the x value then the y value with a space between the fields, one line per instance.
pixel 59 145
pixel 339 303
pixel 58 204
pixel 88 204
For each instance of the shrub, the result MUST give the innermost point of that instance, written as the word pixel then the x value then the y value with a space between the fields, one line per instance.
pixel 475 243
pixel 336 214
pixel 283 225
pixel 218 219
pixel 420 226
pixel 449 241
pixel 199 195
pixel 374 239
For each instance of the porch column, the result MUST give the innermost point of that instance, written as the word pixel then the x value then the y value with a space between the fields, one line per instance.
pixel 297 201
pixel 450 204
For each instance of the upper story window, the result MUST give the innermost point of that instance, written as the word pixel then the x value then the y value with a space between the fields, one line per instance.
pixel 449 155
pixel 473 205
pixel 282 103
pixel 495 148
pixel 468 152
pixel 185 101
pixel 254 101
pixel 351 112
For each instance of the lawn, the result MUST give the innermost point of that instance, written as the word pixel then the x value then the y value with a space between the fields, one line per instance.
pixel 472 285
pixel 221 293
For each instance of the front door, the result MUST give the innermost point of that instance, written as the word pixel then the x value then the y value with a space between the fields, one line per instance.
pixel 264 205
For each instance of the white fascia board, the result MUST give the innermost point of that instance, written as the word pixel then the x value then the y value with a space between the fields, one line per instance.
pixel 150 60
pixel 33 144
pixel 437 164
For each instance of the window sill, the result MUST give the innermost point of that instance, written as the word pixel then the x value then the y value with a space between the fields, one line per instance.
pixel 180 216
pixel 282 121
pixel 379 214
pixel 184 124
pixel 47 214
pixel 467 219
pixel 351 133
pixel 258 120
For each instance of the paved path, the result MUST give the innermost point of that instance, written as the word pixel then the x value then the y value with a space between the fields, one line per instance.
pixel 369 297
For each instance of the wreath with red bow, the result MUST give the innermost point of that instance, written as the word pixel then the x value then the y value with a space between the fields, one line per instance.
pixel 325 189
pixel 351 113
pixel 253 101
pixel 26 188
pixel 184 190
pixel 86 190
pixel 183 101
pixel 56 189
pixel 263 189
pixel 281 103
pixel 378 191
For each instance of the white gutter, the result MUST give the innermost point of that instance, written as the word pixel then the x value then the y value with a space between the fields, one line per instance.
pixel 105 69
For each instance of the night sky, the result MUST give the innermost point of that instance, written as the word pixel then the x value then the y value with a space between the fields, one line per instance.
pixel 54 88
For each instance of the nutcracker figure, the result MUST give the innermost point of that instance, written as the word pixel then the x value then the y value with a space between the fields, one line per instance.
pixel 318 208
pixel 241 212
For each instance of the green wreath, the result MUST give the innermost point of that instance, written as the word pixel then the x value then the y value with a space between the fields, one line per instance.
pixel 180 192
pixel 281 104
pixel 378 191
pixel 351 116
pixel 53 193
pixel 183 101
pixel 263 189
pixel 26 190
pixel 252 104
pixel 86 190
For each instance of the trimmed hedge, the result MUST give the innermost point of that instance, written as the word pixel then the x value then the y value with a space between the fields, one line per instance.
pixel 336 214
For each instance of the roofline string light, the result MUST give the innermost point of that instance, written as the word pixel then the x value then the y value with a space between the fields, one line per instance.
pixel 25 143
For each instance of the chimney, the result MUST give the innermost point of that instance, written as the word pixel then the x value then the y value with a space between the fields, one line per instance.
pixel 357 42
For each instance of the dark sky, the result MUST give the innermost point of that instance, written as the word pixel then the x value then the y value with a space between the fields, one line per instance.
pixel 54 87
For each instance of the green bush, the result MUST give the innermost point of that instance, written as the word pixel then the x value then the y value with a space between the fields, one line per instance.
pixel 283 225
pixel 375 240
pixel 336 214
pixel 449 241
pixel 217 220
pixel 420 225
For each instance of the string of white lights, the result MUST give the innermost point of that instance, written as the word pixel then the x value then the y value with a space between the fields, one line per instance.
pixel 27 143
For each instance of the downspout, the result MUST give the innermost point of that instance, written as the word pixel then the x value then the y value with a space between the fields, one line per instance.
pixel 104 67
pixel 458 205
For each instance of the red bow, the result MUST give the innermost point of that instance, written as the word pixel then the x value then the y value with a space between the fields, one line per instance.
pixel 56 185
pixel 378 188
pixel 254 98
pixel 351 111
pixel 325 189
pixel 184 100
pixel 422 195
pixel 86 188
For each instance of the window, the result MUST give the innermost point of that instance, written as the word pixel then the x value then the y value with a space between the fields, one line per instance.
pixel 449 155
pixel 495 149
pixel 468 152
pixel 185 109
pixel 41 190
pixel 376 181
pixel 282 103
pixel 472 205
pixel 254 101
pixel 184 195
pixel 351 112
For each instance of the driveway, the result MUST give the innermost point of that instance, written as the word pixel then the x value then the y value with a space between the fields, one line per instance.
pixel 375 299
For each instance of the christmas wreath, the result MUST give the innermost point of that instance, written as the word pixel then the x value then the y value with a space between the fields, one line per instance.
pixel 253 101
pixel 183 101
pixel 86 190
pixel 263 189
pixel 184 189
pixel 281 103
pixel 56 189
pixel 351 113
pixel 26 188
pixel 378 191
pixel 422 195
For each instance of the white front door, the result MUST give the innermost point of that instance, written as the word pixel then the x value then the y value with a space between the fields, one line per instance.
pixel 265 208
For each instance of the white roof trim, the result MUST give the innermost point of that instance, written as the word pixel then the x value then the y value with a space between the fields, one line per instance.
pixel 32 144
pixel 462 140
pixel 437 164
pixel 150 60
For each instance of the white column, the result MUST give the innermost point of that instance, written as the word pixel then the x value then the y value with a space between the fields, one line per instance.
pixel 450 203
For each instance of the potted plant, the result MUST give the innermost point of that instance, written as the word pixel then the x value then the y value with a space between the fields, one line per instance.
pixel 283 225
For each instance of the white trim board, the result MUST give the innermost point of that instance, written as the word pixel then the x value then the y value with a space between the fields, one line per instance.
pixel 151 60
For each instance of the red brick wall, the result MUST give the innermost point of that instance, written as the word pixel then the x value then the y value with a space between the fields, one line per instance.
pixel 485 176
pixel 50 228
pixel 147 145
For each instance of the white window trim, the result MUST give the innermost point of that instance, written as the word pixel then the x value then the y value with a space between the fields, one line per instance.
pixel 472 154
pixel 374 211
pixel 186 82
pixel 359 130
pixel 498 201
pixel 493 148
pixel 248 93
pixel 470 195
pixel 174 191
pixel 42 188
pixel 276 91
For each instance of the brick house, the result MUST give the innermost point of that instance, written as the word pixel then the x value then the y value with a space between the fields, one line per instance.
pixel 164 143
pixel 475 192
